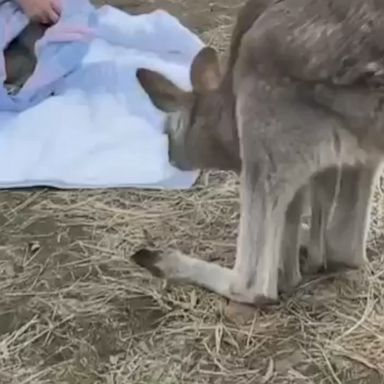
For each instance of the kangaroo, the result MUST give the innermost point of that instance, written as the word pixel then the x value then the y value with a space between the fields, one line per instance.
pixel 299 107
pixel 20 58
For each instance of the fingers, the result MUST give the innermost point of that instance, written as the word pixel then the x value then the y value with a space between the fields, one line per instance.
pixel 56 6
pixel 50 14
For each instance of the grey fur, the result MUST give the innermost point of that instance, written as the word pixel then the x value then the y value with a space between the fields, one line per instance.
pixel 299 109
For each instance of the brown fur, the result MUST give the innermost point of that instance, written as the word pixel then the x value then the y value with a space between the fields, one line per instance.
pixel 20 58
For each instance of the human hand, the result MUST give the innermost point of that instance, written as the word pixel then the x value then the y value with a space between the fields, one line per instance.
pixel 42 11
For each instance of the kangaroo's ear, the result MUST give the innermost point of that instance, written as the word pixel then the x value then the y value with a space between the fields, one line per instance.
pixel 164 94
pixel 205 71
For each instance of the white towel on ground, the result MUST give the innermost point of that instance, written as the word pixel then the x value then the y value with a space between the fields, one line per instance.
pixel 100 129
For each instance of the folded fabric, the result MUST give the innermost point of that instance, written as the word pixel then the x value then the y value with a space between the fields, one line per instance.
pixel 82 120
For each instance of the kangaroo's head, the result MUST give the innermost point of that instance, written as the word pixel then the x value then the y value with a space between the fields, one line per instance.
pixel 192 117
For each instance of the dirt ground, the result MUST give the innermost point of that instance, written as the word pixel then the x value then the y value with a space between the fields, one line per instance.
pixel 75 310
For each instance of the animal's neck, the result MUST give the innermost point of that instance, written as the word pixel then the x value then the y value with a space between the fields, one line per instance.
pixel 224 130
pixel 227 126
pixel 220 143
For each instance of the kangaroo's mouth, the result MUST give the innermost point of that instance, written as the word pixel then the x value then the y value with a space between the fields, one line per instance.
pixel 178 152
pixel 174 124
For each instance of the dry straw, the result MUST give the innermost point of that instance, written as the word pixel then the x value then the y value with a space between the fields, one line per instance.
pixel 75 310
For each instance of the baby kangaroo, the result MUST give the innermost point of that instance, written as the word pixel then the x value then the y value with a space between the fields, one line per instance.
pixel 299 106
pixel 20 58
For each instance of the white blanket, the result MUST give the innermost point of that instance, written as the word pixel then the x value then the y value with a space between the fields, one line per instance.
pixel 99 129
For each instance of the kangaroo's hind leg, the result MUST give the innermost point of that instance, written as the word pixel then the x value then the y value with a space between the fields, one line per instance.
pixel 290 274
pixel 340 217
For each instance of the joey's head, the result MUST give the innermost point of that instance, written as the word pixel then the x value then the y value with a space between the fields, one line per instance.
pixel 190 115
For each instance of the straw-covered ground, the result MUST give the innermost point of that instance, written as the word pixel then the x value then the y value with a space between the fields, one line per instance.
pixel 75 310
